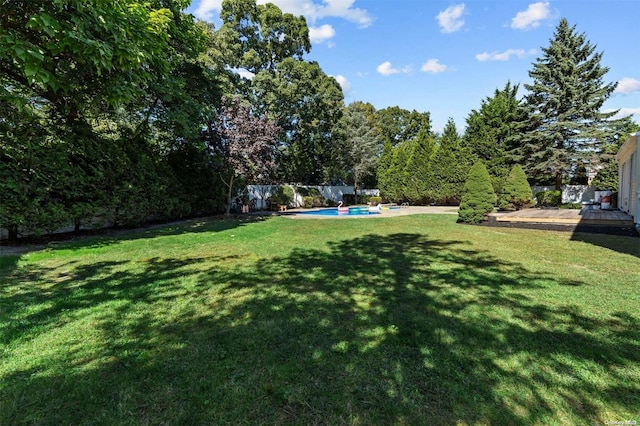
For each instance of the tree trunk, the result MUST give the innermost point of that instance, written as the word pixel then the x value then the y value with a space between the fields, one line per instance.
pixel 355 190
pixel 13 232
pixel 229 194
pixel 559 181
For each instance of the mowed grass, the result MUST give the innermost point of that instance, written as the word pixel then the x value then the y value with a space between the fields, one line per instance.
pixel 407 320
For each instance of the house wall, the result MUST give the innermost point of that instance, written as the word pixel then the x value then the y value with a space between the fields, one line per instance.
pixel 628 157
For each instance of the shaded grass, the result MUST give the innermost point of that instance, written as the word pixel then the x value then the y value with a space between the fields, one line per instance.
pixel 410 320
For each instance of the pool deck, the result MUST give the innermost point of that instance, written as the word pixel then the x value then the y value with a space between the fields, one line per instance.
pixel 401 211
pixel 602 221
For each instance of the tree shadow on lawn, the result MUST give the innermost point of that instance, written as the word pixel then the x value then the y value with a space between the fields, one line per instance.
pixel 619 243
pixel 398 329
pixel 111 236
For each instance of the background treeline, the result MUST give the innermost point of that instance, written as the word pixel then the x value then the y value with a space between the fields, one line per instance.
pixel 108 114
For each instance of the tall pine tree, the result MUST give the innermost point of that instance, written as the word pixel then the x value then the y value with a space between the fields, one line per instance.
pixel 451 164
pixel 563 127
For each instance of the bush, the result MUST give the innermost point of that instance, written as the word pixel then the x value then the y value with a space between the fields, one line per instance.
pixel 516 192
pixel 283 195
pixel 549 198
pixel 575 206
pixel 478 197
pixel 307 201
pixel 374 201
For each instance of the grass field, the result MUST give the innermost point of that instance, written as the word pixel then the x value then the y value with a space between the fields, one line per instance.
pixel 408 320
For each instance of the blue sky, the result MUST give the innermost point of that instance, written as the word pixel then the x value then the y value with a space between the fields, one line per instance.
pixel 446 57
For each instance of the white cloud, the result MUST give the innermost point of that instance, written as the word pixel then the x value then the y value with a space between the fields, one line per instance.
pixel 321 33
pixel 386 69
pixel 344 83
pixel 628 85
pixel 450 19
pixel 433 66
pixel 504 56
pixel 625 112
pixel 331 8
pixel 531 18
pixel 206 9
pixel 309 8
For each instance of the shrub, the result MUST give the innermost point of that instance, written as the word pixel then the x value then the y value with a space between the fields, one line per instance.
pixel 350 199
pixel 283 194
pixel 516 192
pixel 307 201
pixel 478 197
pixel 549 198
pixel 374 201
pixel 575 206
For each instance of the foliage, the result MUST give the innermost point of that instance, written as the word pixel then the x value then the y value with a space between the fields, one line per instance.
pixel 549 198
pixel 607 177
pixel 516 192
pixel 111 92
pixel 374 201
pixel 306 104
pixel 350 199
pixel 241 145
pixel 361 142
pixel 451 164
pixel 396 125
pixel 419 168
pixel 563 126
pixel 478 197
pixel 572 206
pixel 490 129
pixel 307 201
pixel 283 195
pixel 264 36
pixel 394 180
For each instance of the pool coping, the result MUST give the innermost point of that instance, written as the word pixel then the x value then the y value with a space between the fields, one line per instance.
pixel 404 211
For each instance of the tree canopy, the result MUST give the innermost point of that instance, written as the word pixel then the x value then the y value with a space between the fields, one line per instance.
pixel 563 126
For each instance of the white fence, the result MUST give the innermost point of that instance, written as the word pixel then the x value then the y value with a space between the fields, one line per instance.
pixel 572 193
pixel 261 193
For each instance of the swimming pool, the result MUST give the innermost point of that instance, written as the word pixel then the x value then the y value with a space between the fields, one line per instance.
pixel 353 211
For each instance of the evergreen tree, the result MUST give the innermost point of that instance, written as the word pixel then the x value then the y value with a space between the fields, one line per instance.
pixel 607 176
pixel 563 126
pixel 419 166
pixel 451 164
pixel 478 197
pixel 516 192
pixel 385 179
pixel 489 130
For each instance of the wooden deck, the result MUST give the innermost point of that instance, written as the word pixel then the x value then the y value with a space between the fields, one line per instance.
pixel 566 216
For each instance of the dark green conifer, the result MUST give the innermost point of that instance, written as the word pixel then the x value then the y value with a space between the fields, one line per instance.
pixel 516 192
pixel 478 197
pixel 563 126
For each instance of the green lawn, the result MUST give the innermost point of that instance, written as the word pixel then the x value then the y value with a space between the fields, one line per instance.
pixel 407 320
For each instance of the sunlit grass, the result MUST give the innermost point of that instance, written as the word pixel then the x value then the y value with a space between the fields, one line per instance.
pixel 407 320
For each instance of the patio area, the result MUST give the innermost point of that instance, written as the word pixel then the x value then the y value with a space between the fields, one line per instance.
pixel 585 220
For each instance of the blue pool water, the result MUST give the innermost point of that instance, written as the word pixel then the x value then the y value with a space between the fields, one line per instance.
pixel 353 211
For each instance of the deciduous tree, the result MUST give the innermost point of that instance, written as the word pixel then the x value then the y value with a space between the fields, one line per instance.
pixel 242 145
pixel 361 142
